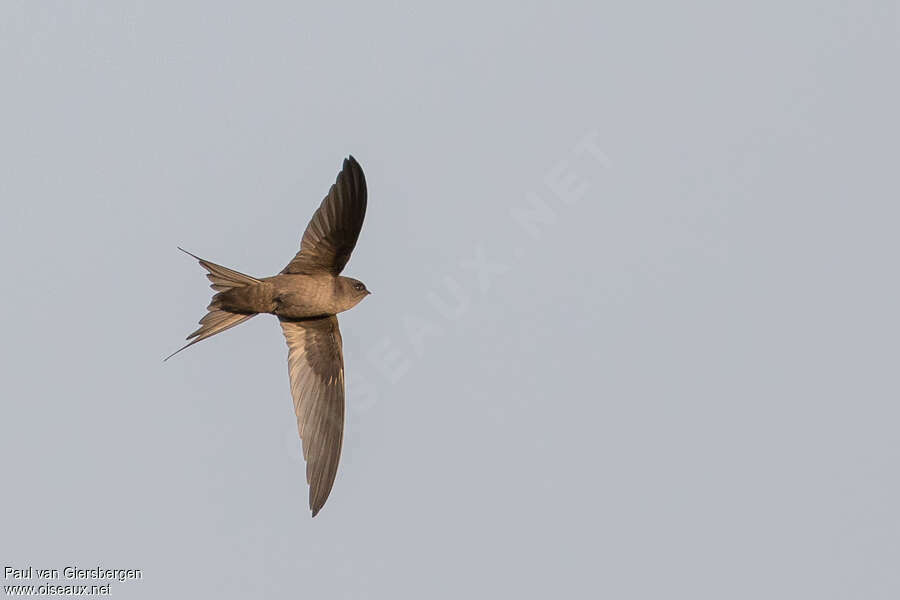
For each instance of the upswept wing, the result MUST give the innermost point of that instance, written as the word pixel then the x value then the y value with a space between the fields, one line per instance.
pixel 334 228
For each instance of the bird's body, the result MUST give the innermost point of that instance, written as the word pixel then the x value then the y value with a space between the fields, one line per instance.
pixel 305 297
pixel 292 296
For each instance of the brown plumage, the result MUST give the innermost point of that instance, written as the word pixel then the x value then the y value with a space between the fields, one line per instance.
pixel 305 296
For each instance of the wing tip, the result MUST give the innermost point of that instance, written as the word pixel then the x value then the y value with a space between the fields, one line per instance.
pixel 350 163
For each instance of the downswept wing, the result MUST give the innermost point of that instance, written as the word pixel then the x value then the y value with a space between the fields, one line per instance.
pixel 334 228
pixel 316 369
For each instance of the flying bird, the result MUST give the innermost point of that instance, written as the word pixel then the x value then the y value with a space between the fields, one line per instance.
pixel 306 296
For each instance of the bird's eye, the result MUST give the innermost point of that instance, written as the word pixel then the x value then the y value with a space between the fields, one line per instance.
pixel 359 287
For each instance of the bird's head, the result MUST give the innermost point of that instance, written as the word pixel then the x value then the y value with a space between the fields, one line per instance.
pixel 353 290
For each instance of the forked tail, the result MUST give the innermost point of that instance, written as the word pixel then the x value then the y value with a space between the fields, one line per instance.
pixel 217 319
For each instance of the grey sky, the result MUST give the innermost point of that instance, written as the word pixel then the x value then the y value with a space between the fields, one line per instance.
pixel 678 381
